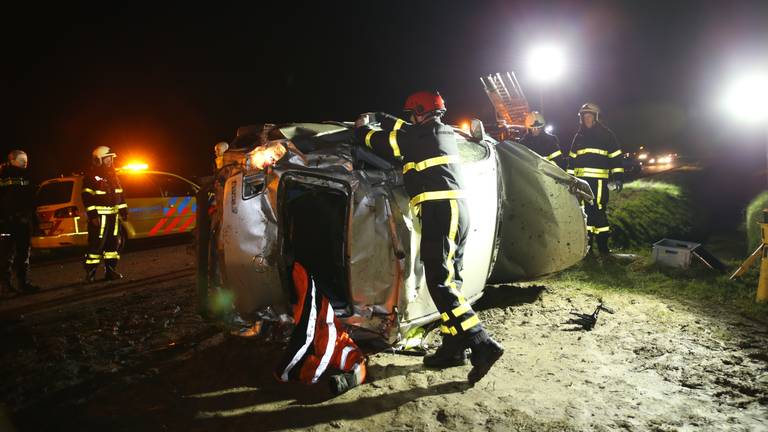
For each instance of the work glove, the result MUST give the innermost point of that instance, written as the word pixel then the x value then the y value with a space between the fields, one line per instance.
pixel 365 119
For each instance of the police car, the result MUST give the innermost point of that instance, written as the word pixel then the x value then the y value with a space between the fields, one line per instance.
pixel 159 204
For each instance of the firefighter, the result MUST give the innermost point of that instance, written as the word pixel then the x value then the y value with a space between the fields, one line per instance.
pixel 104 202
pixel 318 342
pixel 429 154
pixel 543 143
pixel 595 156
pixel 17 214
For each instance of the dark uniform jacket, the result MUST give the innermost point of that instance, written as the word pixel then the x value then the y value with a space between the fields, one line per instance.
pixel 595 153
pixel 428 152
pixel 17 195
pixel 546 145
pixel 103 194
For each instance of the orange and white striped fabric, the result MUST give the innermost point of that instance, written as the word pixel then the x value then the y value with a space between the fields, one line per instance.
pixel 318 342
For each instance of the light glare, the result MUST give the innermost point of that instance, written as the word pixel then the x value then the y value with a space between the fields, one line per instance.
pixel 747 97
pixel 546 63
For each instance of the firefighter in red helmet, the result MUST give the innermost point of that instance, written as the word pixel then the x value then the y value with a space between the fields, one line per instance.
pixel 428 152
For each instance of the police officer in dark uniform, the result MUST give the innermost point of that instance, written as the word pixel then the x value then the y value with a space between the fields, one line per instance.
pixel 429 154
pixel 595 156
pixel 104 202
pixel 542 142
pixel 17 215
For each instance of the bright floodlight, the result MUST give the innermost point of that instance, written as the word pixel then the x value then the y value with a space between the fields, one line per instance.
pixel 747 97
pixel 546 63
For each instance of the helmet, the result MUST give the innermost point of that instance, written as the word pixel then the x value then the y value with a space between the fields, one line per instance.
pixel 220 148
pixel 423 102
pixel 99 153
pixel 18 158
pixel 590 107
pixel 534 120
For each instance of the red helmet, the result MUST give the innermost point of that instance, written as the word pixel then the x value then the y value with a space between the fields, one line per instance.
pixel 424 101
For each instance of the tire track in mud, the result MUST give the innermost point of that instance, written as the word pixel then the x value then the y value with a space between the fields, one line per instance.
pixel 72 294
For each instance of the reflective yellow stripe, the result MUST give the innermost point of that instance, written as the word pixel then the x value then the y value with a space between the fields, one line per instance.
pixel 453 228
pixel 117 224
pixel 461 310
pixel 451 330
pixel 12 181
pixel 572 154
pixel 592 150
pixel 599 194
pixel 470 322
pixel 106 209
pixel 94 256
pixel 598 230
pixel 393 143
pixel 398 124
pixel 103 224
pixel 88 190
pixel 111 255
pixel 444 316
pixel 436 195
pixel 428 163
pixel 617 170
pixel 554 155
pixel 368 138
pixel 614 154
pixel 123 205
pixel 118 190
pixel 569 171
pixel 591 172
pixel 92 261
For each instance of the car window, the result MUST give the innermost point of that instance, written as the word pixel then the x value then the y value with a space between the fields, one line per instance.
pixel 55 193
pixel 173 186
pixel 139 186
pixel 471 151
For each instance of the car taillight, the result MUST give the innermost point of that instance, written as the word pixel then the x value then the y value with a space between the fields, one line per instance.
pixel 66 212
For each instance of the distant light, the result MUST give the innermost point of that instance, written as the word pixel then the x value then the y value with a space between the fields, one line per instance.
pixel 642 156
pixel 652 160
pixel 546 63
pixel 746 98
pixel 136 166
pixel 464 126
pixel 549 128
pixel 665 160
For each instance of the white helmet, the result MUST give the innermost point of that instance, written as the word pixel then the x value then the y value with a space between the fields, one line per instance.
pixel 99 153
pixel 590 107
pixel 534 119
pixel 220 148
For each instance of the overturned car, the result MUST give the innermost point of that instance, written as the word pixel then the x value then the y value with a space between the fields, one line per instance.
pixel 306 192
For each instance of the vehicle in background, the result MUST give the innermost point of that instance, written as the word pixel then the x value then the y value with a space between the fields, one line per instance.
pixel 159 204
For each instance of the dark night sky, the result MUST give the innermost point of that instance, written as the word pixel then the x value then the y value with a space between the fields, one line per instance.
pixel 165 82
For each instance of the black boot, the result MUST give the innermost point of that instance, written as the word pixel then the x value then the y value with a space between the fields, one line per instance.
pixel 345 381
pixel 90 275
pixel 28 288
pixel 602 244
pixel 112 274
pixel 450 354
pixel 484 355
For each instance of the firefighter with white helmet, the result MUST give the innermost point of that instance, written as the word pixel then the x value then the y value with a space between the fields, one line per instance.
pixel 540 141
pixel 105 205
pixel 595 157
pixel 17 215
pixel 428 152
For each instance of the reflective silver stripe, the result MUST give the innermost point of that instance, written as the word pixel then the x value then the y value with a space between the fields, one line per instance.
pixel 344 354
pixel 437 195
pixel 554 154
pixel 429 163
pixel 614 154
pixel 329 346
pixel 592 150
pixel 14 181
pixel 310 335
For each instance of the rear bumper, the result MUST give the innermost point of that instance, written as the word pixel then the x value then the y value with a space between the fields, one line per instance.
pixel 60 241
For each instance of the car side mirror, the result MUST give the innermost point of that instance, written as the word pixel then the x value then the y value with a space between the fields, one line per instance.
pixel 476 129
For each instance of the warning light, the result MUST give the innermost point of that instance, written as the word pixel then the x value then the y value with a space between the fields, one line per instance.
pixel 136 166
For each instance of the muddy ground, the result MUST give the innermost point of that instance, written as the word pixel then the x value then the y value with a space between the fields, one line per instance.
pixel 134 355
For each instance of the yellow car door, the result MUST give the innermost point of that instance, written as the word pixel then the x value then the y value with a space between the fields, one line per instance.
pixel 146 205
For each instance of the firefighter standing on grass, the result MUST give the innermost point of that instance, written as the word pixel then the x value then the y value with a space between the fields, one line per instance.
pixel 17 214
pixel 105 205
pixel 595 157
pixel 538 140
pixel 431 170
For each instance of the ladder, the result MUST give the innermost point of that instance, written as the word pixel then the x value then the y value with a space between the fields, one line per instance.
pixel 507 98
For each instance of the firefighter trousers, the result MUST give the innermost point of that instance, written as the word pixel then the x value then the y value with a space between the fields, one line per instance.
pixel 14 249
pixel 318 341
pixel 103 241
pixel 597 219
pixel 444 228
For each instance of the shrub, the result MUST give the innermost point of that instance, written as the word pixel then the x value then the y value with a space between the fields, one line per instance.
pixel 754 214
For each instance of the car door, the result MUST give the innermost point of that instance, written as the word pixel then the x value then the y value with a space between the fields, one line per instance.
pixel 145 203
pixel 180 204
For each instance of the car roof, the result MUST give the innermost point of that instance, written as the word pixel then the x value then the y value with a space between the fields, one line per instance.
pixel 75 177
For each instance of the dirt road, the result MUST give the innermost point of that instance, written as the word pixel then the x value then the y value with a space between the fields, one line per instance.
pixel 134 355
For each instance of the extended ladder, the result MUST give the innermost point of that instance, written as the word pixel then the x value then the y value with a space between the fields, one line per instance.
pixel 507 98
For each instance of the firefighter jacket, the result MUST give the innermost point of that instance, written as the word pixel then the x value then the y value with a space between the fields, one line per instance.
pixel 428 152
pixel 17 195
pixel 102 193
pixel 546 145
pixel 595 153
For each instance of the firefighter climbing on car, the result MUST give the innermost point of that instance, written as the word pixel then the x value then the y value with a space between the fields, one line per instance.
pixel 595 157
pixel 105 205
pixel 539 140
pixel 427 150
